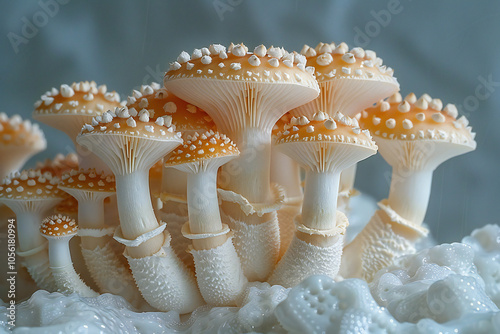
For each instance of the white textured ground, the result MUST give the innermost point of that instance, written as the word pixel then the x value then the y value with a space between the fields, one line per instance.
pixel 449 288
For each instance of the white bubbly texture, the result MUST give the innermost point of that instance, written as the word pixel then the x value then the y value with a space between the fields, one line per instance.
pixel 447 288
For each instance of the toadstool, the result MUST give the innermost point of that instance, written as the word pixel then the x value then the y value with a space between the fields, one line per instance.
pixel 414 137
pixel 59 230
pixel 19 140
pixel 218 268
pixel 130 144
pixel 324 146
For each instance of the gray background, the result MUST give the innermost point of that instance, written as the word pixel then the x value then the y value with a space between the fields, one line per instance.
pixel 444 48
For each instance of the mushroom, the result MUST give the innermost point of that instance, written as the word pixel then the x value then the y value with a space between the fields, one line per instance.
pixel 67 207
pixel 324 146
pixel 107 270
pixel 286 172
pixel 187 119
pixel 414 137
pixel 70 107
pixel 130 144
pixel 349 82
pixel 218 268
pixel 59 230
pixel 30 194
pixel 19 140
pixel 245 94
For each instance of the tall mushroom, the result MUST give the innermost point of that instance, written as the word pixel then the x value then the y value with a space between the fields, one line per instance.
pixel 59 230
pixel 19 140
pixel 245 94
pixel 187 119
pixel 68 108
pixel 414 137
pixel 130 144
pixel 218 268
pixel 324 146
pixel 30 194
pixel 107 270
pixel 349 82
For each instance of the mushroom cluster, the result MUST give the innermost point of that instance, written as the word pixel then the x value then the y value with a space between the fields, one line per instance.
pixel 205 171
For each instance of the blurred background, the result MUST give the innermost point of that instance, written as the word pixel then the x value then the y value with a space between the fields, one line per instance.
pixel 449 49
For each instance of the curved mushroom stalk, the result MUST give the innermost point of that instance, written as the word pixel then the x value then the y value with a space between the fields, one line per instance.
pixel 58 230
pixel 37 263
pixel 218 268
pixel 386 237
pixel 308 255
pixel 164 282
pixel 324 147
pixel 131 144
pixel 414 137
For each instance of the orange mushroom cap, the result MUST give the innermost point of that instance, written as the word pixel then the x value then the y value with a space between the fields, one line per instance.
pixel 207 146
pixel 237 64
pixel 59 165
pixel 68 206
pixel 82 98
pixel 161 103
pixel 412 119
pixel 30 185
pixel 58 226
pixel 337 62
pixel 16 132
pixel 88 180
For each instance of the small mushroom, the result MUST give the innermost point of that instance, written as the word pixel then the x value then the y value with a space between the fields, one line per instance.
pixel 218 268
pixel 59 230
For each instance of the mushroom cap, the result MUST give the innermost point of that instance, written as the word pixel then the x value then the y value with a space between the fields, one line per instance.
pixel 398 121
pixel 280 124
pixel 209 148
pixel 87 180
pixel 59 165
pixel 30 185
pixel 126 140
pixel 349 80
pixel 162 103
pixel 79 102
pixel 58 226
pixel 16 132
pixel 240 89
pixel 325 144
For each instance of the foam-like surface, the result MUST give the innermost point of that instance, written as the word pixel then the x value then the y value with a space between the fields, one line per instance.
pixel 256 247
pixel 303 259
pixel 164 281
pixel 219 274
pixel 110 274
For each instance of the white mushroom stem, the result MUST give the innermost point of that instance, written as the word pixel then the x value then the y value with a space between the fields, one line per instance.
pixel 28 223
pixel 286 172
pixel 134 204
pixel 66 279
pixel 409 193
pixel 249 174
pixel 319 208
pixel 203 204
